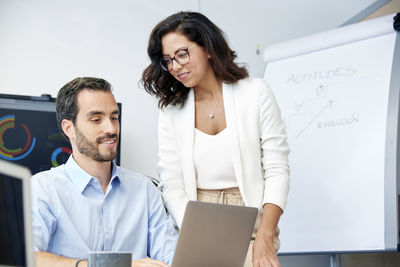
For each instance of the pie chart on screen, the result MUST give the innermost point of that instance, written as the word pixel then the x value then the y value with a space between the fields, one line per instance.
pixel 60 156
pixel 15 152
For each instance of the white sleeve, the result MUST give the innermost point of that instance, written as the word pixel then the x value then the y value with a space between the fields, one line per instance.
pixel 170 169
pixel 275 149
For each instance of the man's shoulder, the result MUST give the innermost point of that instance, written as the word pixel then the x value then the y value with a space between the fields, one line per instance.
pixel 56 172
pixel 126 173
pixel 134 177
pixel 48 177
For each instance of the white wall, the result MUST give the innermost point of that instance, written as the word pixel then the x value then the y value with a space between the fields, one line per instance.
pixel 252 25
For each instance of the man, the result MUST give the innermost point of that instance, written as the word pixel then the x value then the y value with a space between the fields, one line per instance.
pixel 89 203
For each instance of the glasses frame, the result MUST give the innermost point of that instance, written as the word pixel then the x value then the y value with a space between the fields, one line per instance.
pixel 174 58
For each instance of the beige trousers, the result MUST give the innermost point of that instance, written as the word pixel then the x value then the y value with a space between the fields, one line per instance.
pixel 232 196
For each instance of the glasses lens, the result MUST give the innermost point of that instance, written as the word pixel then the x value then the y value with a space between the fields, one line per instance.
pixel 182 57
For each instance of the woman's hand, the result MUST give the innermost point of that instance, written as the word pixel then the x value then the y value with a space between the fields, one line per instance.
pixel 264 252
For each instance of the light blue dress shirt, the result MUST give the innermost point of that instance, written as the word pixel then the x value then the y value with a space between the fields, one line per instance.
pixel 72 215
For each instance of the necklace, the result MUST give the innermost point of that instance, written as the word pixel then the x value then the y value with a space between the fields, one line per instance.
pixel 211 115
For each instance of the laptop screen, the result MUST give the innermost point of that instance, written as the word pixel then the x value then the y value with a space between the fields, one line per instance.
pixel 13 226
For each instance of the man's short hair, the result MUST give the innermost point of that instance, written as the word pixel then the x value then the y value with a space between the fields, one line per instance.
pixel 67 104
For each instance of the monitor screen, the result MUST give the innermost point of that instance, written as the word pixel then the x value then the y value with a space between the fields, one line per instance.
pixel 29 134
pixel 15 229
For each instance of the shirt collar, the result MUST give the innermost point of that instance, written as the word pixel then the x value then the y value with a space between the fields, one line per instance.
pixel 80 178
pixel 114 173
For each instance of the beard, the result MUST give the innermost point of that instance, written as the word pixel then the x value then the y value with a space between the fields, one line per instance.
pixel 91 149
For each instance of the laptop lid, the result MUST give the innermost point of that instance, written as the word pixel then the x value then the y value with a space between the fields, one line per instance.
pixel 15 216
pixel 214 235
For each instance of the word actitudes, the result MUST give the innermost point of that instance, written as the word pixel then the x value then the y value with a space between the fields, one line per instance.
pixel 353 119
pixel 321 75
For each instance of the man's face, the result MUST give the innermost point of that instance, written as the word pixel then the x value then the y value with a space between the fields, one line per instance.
pixel 97 126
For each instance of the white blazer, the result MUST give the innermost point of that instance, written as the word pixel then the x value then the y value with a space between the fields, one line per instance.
pixel 258 143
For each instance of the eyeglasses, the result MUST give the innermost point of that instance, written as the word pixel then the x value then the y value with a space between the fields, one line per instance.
pixel 182 57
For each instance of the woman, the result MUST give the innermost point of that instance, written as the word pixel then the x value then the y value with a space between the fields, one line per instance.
pixel 221 136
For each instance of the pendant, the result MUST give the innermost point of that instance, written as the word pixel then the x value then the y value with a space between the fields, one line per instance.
pixel 211 116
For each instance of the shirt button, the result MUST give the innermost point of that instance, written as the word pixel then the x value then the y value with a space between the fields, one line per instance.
pixel 108 230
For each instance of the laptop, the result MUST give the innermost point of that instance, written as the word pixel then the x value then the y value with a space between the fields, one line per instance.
pixel 214 235
pixel 15 216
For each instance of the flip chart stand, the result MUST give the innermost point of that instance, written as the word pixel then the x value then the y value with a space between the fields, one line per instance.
pixel 335 260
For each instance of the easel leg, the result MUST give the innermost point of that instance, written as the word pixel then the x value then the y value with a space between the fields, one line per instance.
pixel 336 260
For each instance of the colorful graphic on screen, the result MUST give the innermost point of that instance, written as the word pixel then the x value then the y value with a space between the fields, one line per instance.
pixel 60 152
pixel 6 123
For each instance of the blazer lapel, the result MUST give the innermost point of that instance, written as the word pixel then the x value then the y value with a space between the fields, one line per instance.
pixel 186 122
pixel 231 123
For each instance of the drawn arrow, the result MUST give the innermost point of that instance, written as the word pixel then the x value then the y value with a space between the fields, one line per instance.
pixel 329 105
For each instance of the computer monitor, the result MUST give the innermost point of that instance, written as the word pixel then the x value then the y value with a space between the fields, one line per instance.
pixel 29 134
pixel 15 216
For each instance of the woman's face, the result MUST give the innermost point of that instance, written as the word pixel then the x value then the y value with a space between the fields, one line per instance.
pixel 198 68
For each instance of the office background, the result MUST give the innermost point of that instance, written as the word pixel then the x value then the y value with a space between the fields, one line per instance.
pixel 45 44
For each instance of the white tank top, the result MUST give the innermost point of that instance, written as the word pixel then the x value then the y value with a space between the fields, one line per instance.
pixel 213 161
